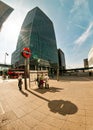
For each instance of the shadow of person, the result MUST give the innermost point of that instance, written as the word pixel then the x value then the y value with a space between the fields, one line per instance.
pixel 62 107
pixel 24 93
pixel 51 89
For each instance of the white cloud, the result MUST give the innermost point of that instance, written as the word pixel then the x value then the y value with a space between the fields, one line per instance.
pixel 77 4
pixel 85 35
pixel 79 26
pixel 80 11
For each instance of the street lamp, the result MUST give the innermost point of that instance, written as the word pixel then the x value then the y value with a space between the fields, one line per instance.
pixel 6 54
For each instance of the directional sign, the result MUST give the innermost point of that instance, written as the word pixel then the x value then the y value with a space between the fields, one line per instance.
pixel 26 53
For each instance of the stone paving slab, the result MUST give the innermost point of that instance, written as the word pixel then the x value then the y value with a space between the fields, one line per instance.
pixel 66 105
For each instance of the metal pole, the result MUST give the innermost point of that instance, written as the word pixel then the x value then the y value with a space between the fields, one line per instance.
pixel 58 73
pixel 25 74
pixel 6 54
pixel 28 71
pixel 5 59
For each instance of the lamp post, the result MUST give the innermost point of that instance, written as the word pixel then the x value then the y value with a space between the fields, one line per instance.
pixel 6 54
pixel 58 73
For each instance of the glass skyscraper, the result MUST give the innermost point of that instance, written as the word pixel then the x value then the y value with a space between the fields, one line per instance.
pixel 61 58
pixel 37 33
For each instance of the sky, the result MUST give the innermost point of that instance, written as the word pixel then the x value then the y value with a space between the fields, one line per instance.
pixel 73 25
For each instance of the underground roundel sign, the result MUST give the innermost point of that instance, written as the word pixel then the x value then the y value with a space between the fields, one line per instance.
pixel 26 53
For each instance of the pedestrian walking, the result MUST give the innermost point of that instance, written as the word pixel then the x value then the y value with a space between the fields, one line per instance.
pixel 38 80
pixel 41 81
pixel 20 82
pixel 46 78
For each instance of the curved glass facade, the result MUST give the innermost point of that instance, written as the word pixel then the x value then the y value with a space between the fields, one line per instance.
pixel 37 33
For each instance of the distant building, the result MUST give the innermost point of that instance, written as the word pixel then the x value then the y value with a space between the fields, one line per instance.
pixel 37 33
pixel 61 57
pixel 5 11
pixel 90 58
pixel 4 67
pixel 85 63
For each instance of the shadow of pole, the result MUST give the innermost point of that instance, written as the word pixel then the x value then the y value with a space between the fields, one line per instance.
pixel 62 107
pixel 59 106
pixel 38 95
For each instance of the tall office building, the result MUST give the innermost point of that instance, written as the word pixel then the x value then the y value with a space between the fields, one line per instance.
pixel 5 11
pixel 86 63
pixel 61 57
pixel 37 33
pixel 90 58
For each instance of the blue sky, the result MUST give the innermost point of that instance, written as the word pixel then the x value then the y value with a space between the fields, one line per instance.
pixel 73 24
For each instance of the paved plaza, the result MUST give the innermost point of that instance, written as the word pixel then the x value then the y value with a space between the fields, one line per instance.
pixel 67 105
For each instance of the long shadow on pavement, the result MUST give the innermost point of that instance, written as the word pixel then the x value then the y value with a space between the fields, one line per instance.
pixel 24 93
pixel 51 89
pixel 38 95
pixel 59 106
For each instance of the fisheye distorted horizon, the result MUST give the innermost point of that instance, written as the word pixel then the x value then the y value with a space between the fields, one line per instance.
pixel 73 24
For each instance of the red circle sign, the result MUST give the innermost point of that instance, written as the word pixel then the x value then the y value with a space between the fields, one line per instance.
pixel 26 52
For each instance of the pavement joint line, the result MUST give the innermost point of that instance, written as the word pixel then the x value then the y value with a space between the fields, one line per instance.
pixel 2 109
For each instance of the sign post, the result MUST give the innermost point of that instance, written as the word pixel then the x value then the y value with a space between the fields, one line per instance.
pixel 25 74
pixel 26 53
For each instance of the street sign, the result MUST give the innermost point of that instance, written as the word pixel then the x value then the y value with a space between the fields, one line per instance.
pixel 26 53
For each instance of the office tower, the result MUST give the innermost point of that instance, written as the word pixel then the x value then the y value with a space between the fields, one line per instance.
pixel 37 33
pixel 90 57
pixel 86 63
pixel 61 57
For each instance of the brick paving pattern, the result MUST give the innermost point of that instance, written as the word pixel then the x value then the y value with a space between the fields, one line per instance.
pixel 67 105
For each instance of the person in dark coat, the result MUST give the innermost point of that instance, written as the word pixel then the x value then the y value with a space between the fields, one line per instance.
pixel 20 82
